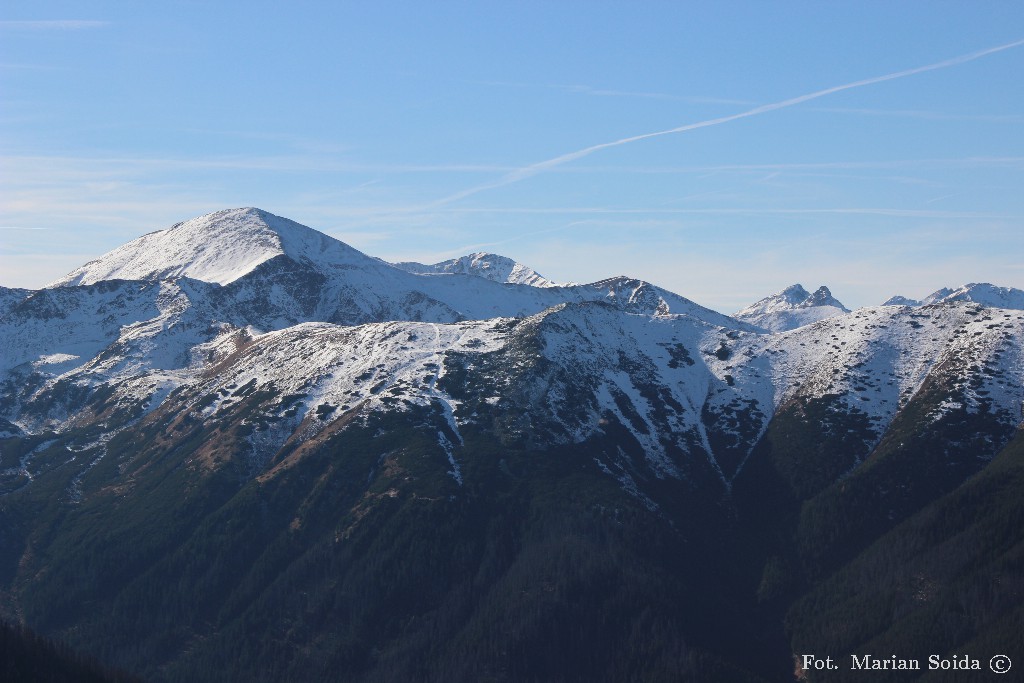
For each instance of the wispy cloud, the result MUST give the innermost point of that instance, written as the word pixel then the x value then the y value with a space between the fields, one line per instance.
pixel 611 92
pixel 944 197
pixel 752 211
pixel 298 142
pixel 53 168
pixel 542 166
pixel 963 162
pixel 53 25
pixel 924 115
pixel 126 165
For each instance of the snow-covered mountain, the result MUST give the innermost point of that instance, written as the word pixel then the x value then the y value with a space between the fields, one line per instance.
pixel 218 248
pixel 156 304
pixel 486 265
pixel 238 416
pixel 274 273
pixel 791 308
pixel 976 292
pixel 240 297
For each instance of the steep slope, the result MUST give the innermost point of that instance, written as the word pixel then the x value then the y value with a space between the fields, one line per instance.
pixel 791 308
pixel 896 404
pixel 67 343
pixel 11 296
pixel 490 266
pixel 949 578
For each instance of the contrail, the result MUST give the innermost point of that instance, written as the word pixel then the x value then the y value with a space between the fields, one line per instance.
pixel 534 169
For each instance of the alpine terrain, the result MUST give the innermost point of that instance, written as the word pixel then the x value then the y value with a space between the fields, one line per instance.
pixel 238 449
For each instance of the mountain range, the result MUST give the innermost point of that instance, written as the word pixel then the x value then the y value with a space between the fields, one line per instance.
pixel 978 292
pixel 239 449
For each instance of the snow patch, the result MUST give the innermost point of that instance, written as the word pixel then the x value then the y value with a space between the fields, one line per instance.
pixel 455 472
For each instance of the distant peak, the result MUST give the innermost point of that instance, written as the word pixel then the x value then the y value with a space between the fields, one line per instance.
pixel 936 296
pixel 822 297
pixel 795 296
pixel 901 301
pixel 483 264
pixel 791 308
pixel 983 293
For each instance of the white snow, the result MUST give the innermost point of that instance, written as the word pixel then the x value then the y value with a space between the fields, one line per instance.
pixel 455 471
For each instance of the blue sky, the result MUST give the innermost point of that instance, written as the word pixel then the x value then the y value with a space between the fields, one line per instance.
pixel 423 131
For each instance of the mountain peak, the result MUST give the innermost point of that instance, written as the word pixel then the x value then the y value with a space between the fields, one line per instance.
pixel 899 300
pixel 791 308
pixel 489 266
pixel 218 247
pixel 822 297
pixel 794 294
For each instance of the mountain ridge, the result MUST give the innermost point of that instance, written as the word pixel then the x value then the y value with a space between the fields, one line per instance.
pixel 484 264
pixel 983 293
